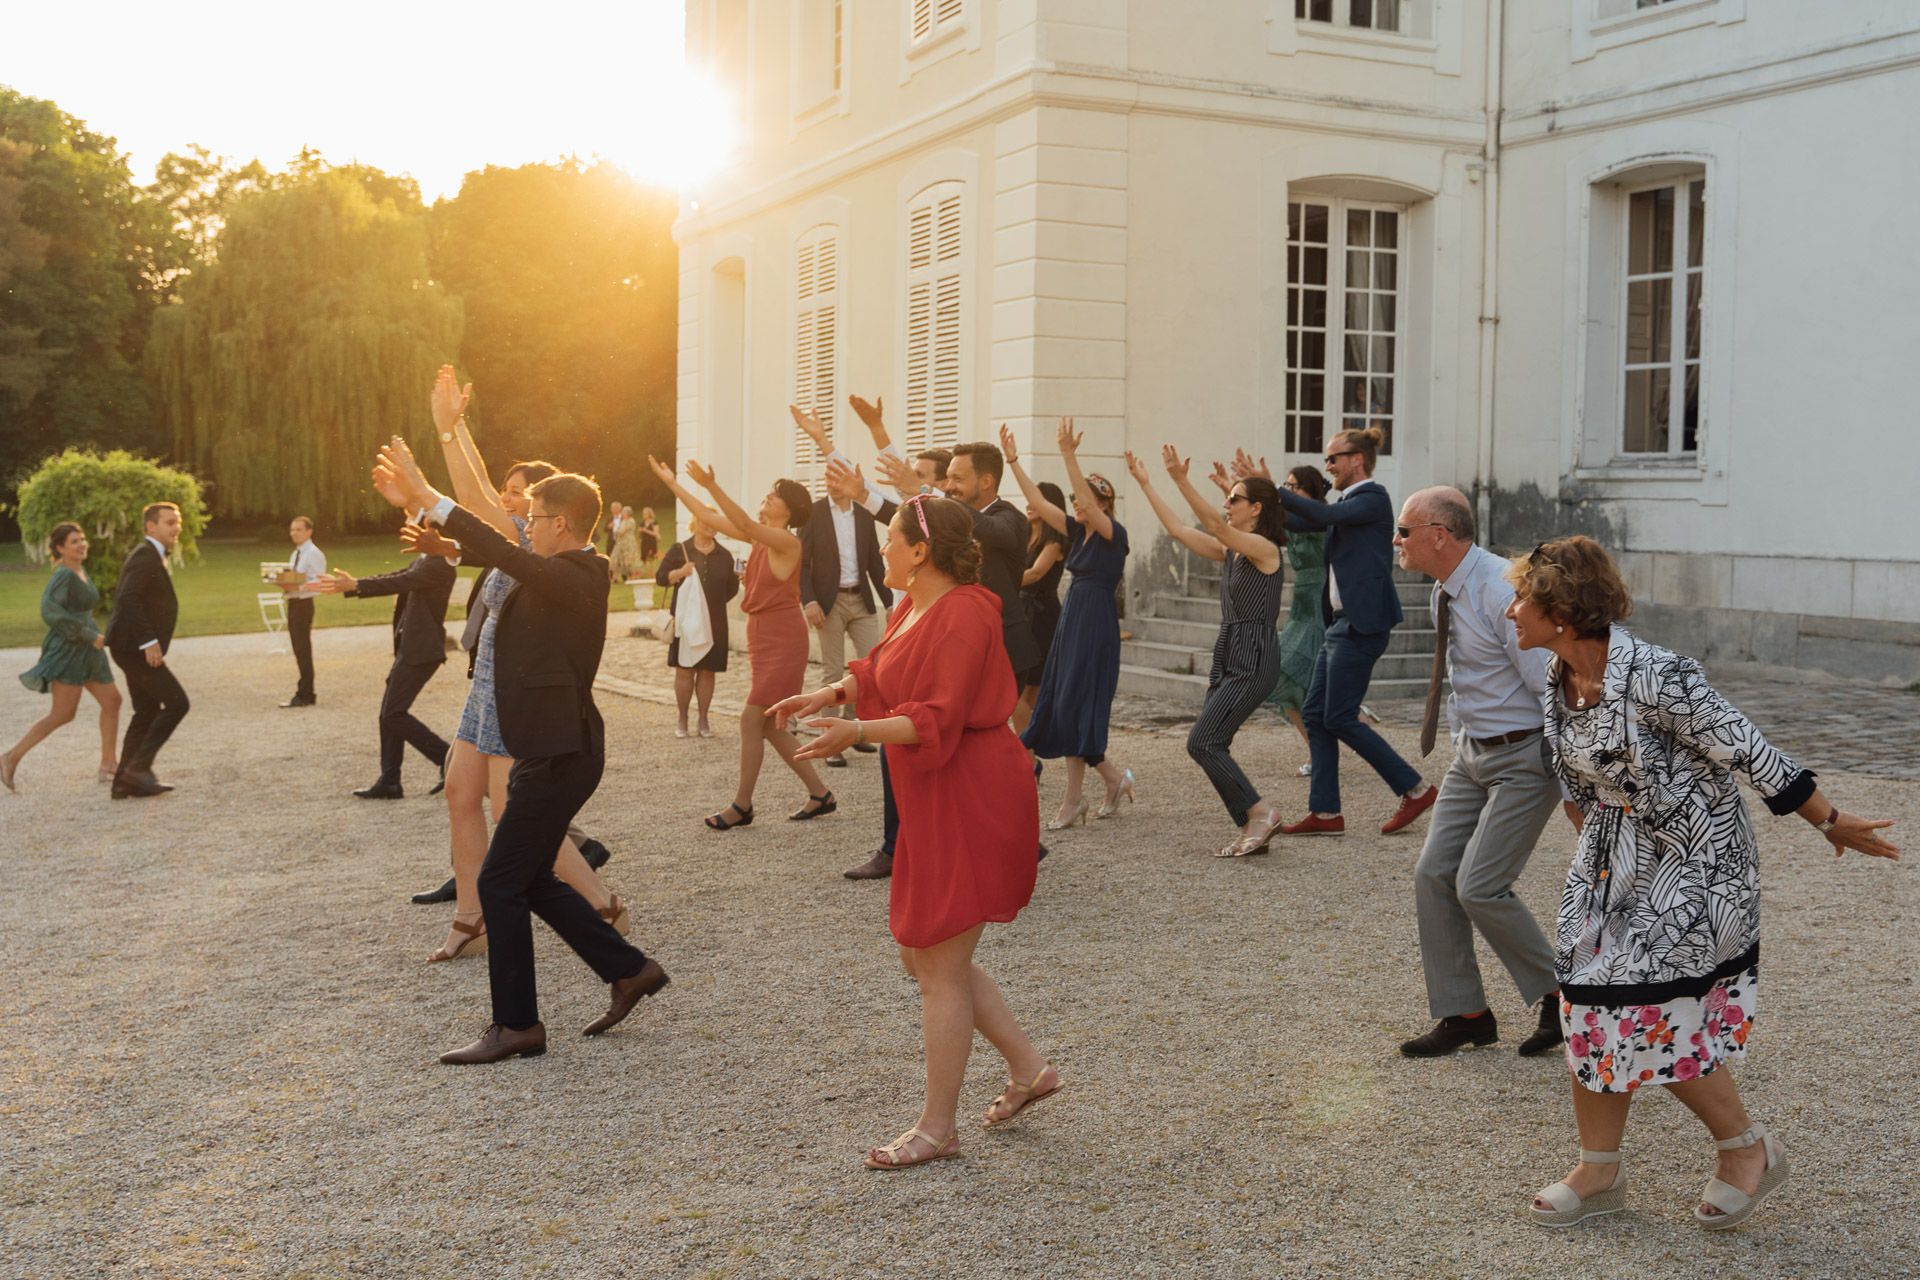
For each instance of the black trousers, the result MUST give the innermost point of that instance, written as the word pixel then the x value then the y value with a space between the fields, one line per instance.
pixel 399 727
pixel 159 705
pixel 300 632
pixel 517 883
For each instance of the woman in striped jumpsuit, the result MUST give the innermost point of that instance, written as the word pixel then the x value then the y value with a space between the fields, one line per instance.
pixel 1246 536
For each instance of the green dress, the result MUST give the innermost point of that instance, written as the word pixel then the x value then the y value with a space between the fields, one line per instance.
pixel 1300 639
pixel 67 655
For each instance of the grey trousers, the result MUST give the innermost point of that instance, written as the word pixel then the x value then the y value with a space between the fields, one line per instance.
pixel 1494 802
pixel 846 620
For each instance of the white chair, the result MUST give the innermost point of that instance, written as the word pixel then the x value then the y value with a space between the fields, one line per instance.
pixel 273 615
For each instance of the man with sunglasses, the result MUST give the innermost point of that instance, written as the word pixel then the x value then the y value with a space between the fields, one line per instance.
pixel 1497 795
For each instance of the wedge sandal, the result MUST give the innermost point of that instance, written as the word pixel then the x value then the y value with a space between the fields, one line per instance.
pixel 1569 1208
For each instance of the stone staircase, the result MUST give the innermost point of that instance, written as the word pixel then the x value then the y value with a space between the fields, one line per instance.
pixel 1172 646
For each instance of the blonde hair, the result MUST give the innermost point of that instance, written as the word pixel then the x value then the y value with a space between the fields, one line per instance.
pixel 1365 441
pixel 1573 581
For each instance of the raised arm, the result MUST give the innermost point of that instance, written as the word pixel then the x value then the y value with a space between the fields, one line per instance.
pixel 1098 521
pixel 1262 553
pixel 1190 538
pixel 781 542
pixel 1055 518
pixel 692 505
pixel 465 468
pixel 812 428
pixel 869 413
pixel 1043 561
pixel 1369 507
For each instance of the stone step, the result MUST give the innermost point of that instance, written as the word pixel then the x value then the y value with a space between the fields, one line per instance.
pixel 1413 595
pixel 1163 657
pixel 1185 690
pixel 1197 608
pixel 1200 635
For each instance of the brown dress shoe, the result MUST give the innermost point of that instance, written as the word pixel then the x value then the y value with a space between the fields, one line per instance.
pixel 878 867
pixel 628 992
pixel 498 1043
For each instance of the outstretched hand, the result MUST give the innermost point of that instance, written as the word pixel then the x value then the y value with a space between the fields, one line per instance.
pixel 868 411
pixel 1068 438
pixel 1175 464
pixel 898 473
pixel 1850 831
pixel 800 704
pixel 847 480
pixel 662 470
pixel 702 476
pixel 449 399
pixel 1137 468
pixel 428 541
pixel 1221 479
pixel 398 459
pixel 1008 449
pixel 1244 466
pixel 810 426
pixel 337 582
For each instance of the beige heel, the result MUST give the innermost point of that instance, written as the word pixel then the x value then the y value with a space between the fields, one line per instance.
pixel 474 944
pixel 615 914
pixel 1569 1208
pixel 1735 1205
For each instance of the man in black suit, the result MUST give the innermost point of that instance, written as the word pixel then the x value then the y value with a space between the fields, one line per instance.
pixel 138 636
pixel 547 643
pixel 841 579
pixel 420 593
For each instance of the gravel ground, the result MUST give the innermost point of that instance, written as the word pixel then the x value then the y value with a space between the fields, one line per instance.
pixel 219 1039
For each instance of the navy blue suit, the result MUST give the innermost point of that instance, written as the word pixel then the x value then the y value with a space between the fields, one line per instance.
pixel 1360 557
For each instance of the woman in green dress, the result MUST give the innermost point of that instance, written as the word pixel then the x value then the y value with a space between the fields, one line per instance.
pixel 1300 639
pixel 72 657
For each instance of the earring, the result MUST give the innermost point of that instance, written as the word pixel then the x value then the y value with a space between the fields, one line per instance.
pixel 912 574
pixel 1558 629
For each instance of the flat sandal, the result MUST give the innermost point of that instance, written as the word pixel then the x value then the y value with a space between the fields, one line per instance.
pixel 939 1150
pixel 1028 1096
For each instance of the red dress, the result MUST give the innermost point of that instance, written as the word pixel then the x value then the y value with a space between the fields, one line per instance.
pixel 776 631
pixel 969 840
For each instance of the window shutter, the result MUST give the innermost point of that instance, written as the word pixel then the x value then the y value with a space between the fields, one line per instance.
pixel 936 231
pixel 816 335
pixel 922 19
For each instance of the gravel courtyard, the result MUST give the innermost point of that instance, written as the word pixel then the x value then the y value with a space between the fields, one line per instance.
pixel 217 1035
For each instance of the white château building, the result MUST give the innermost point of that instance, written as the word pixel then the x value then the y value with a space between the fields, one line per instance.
pixel 1633 268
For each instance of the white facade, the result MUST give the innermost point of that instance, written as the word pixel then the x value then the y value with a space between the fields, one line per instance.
pixel 1633 271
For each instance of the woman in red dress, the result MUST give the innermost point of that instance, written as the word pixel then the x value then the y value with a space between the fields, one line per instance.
pixel 776 629
pixel 936 693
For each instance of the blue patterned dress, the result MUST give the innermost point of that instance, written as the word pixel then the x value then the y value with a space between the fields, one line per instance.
pixel 480 722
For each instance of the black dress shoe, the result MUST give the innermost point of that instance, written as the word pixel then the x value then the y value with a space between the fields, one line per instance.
pixel 498 1043
pixel 1043 854
pixel 878 867
pixel 382 791
pixel 1452 1034
pixel 594 852
pixel 137 785
pixel 445 893
pixel 628 992
pixel 837 761
pixel 441 785
pixel 865 748
pixel 301 700
pixel 1548 1035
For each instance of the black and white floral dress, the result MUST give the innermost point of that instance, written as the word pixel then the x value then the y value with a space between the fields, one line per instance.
pixel 1658 941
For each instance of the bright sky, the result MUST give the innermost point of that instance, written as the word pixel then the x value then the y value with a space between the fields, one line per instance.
pixel 430 90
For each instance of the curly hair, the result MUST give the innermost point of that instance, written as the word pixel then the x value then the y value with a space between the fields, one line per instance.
pixel 949 535
pixel 1574 582
pixel 799 503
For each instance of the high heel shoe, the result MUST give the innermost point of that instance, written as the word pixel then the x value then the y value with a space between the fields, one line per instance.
pixel 615 914
pixel 474 944
pixel 1079 815
pixel 1111 805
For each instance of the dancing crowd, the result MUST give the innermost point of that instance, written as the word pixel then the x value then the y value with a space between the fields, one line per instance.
pixel 970 671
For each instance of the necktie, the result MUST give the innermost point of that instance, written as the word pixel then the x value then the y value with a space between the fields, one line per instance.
pixel 1430 725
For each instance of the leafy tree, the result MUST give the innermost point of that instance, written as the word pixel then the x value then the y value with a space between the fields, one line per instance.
pixel 190 194
pixel 74 303
pixel 311 338
pixel 104 494
pixel 569 276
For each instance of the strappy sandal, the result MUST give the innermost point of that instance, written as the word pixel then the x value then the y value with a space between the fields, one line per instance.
pixel 615 914
pixel 1257 837
pixel 1735 1205
pixel 474 944
pixel 1029 1093
pixel 937 1150
pixel 1569 1208
pixel 718 821
pixel 824 805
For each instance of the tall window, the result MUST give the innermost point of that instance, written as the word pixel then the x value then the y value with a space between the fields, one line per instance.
pixel 935 289
pixel 1368 15
pixel 1343 320
pixel 819 56
pixel 929 18
pixel 1666 291
pixel 816 335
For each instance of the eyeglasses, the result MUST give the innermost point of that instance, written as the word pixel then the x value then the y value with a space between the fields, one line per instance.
pixel 1349 453
pixel 1406 530
pixel 531 519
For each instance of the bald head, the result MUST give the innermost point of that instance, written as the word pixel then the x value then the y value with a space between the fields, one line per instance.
pixel 1445 506
pixel 1436 531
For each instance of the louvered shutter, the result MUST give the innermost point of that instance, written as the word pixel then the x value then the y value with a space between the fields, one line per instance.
pixel 816 336
pixel 936 232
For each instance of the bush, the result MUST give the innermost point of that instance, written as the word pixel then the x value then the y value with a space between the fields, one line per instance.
pixel 104 494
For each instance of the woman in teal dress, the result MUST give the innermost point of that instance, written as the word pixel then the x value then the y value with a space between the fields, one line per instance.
pixel 1300 640
pixel 72 657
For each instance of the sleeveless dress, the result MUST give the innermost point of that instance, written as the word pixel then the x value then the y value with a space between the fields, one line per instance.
pixel 67 655
pixel 958 862
pixel 480 721
pixel 1042 601
pixel 1305 629
pixel 1070 713
pixel 776 631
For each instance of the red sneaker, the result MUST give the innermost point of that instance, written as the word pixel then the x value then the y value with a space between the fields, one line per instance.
pixel 1315 825
pixel 1410 808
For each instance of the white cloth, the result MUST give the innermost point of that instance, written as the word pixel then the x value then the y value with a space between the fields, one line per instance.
pixel 692 625
pixel 310 562
pixel 843 536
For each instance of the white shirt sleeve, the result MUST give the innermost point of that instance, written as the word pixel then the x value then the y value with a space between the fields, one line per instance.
pixel 441 510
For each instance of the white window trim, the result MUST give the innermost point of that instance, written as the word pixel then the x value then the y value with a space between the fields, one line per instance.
pixel 962 169
pixel 966 35
pixel 1594 33
pixel 1438 47
pixel 836 103
pixel 1591 395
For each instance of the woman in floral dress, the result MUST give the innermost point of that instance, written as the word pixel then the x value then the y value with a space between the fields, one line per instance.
pixel 1659 930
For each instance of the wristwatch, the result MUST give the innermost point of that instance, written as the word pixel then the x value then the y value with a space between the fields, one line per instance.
pixel 1832 818
pixel 446 437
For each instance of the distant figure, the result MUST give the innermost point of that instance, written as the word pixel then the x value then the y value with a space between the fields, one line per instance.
pixel 700 554
pixel 310 563
pixel 649 534
pixel 71 657
pixel 626 557
pixel 139 634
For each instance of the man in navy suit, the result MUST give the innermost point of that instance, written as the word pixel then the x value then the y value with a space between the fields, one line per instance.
pixel 138 636
pixel 1361 607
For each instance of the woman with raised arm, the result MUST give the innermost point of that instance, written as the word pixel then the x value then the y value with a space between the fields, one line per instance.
pixel 1075 701
pixel 936 692
pixel 1040 592
pixel 478 764
pixel 776 629
pixel 73 657
pixel 1246 538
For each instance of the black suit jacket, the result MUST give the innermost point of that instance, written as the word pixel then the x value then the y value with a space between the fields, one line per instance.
pixel 1359 549
pixel 144 606
pixel 420 593
pixel 820 560
pixel 546 642
pixel 1001 530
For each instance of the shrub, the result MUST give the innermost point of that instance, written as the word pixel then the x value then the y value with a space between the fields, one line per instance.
pixel 103 494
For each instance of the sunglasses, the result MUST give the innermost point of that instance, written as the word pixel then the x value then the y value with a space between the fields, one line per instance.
pixel 1350 453
pixel 1237 497
pixel 1406 530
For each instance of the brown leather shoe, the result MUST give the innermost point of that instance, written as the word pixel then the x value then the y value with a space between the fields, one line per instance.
pixel 498 1043
pixel 878 867
pixel 628 992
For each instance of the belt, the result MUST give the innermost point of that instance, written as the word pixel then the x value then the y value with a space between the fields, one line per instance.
pixel 1504 739
pixel 849 591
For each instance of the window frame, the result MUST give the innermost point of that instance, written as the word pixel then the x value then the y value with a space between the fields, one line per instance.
pixel 1599 25
pixel 957 32
pixel 1334 371
pixel 1428 37
pixel 1675 360
pixel 815 98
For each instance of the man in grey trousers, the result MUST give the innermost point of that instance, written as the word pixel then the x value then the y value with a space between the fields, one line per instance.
pixel 1496 797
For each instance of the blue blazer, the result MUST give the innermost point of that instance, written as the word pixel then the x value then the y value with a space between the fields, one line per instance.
pixel 1359 531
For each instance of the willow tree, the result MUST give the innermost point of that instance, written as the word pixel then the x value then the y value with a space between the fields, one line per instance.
pixel 311 338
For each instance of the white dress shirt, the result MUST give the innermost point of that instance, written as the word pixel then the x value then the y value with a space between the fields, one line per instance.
pixel 1497 687
pixel 310 562
pixel 843 536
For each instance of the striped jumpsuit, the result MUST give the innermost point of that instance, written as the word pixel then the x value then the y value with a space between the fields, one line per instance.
pixel 1246 666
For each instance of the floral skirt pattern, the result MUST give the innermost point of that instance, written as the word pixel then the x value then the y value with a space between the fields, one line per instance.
pixel 1619 1048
